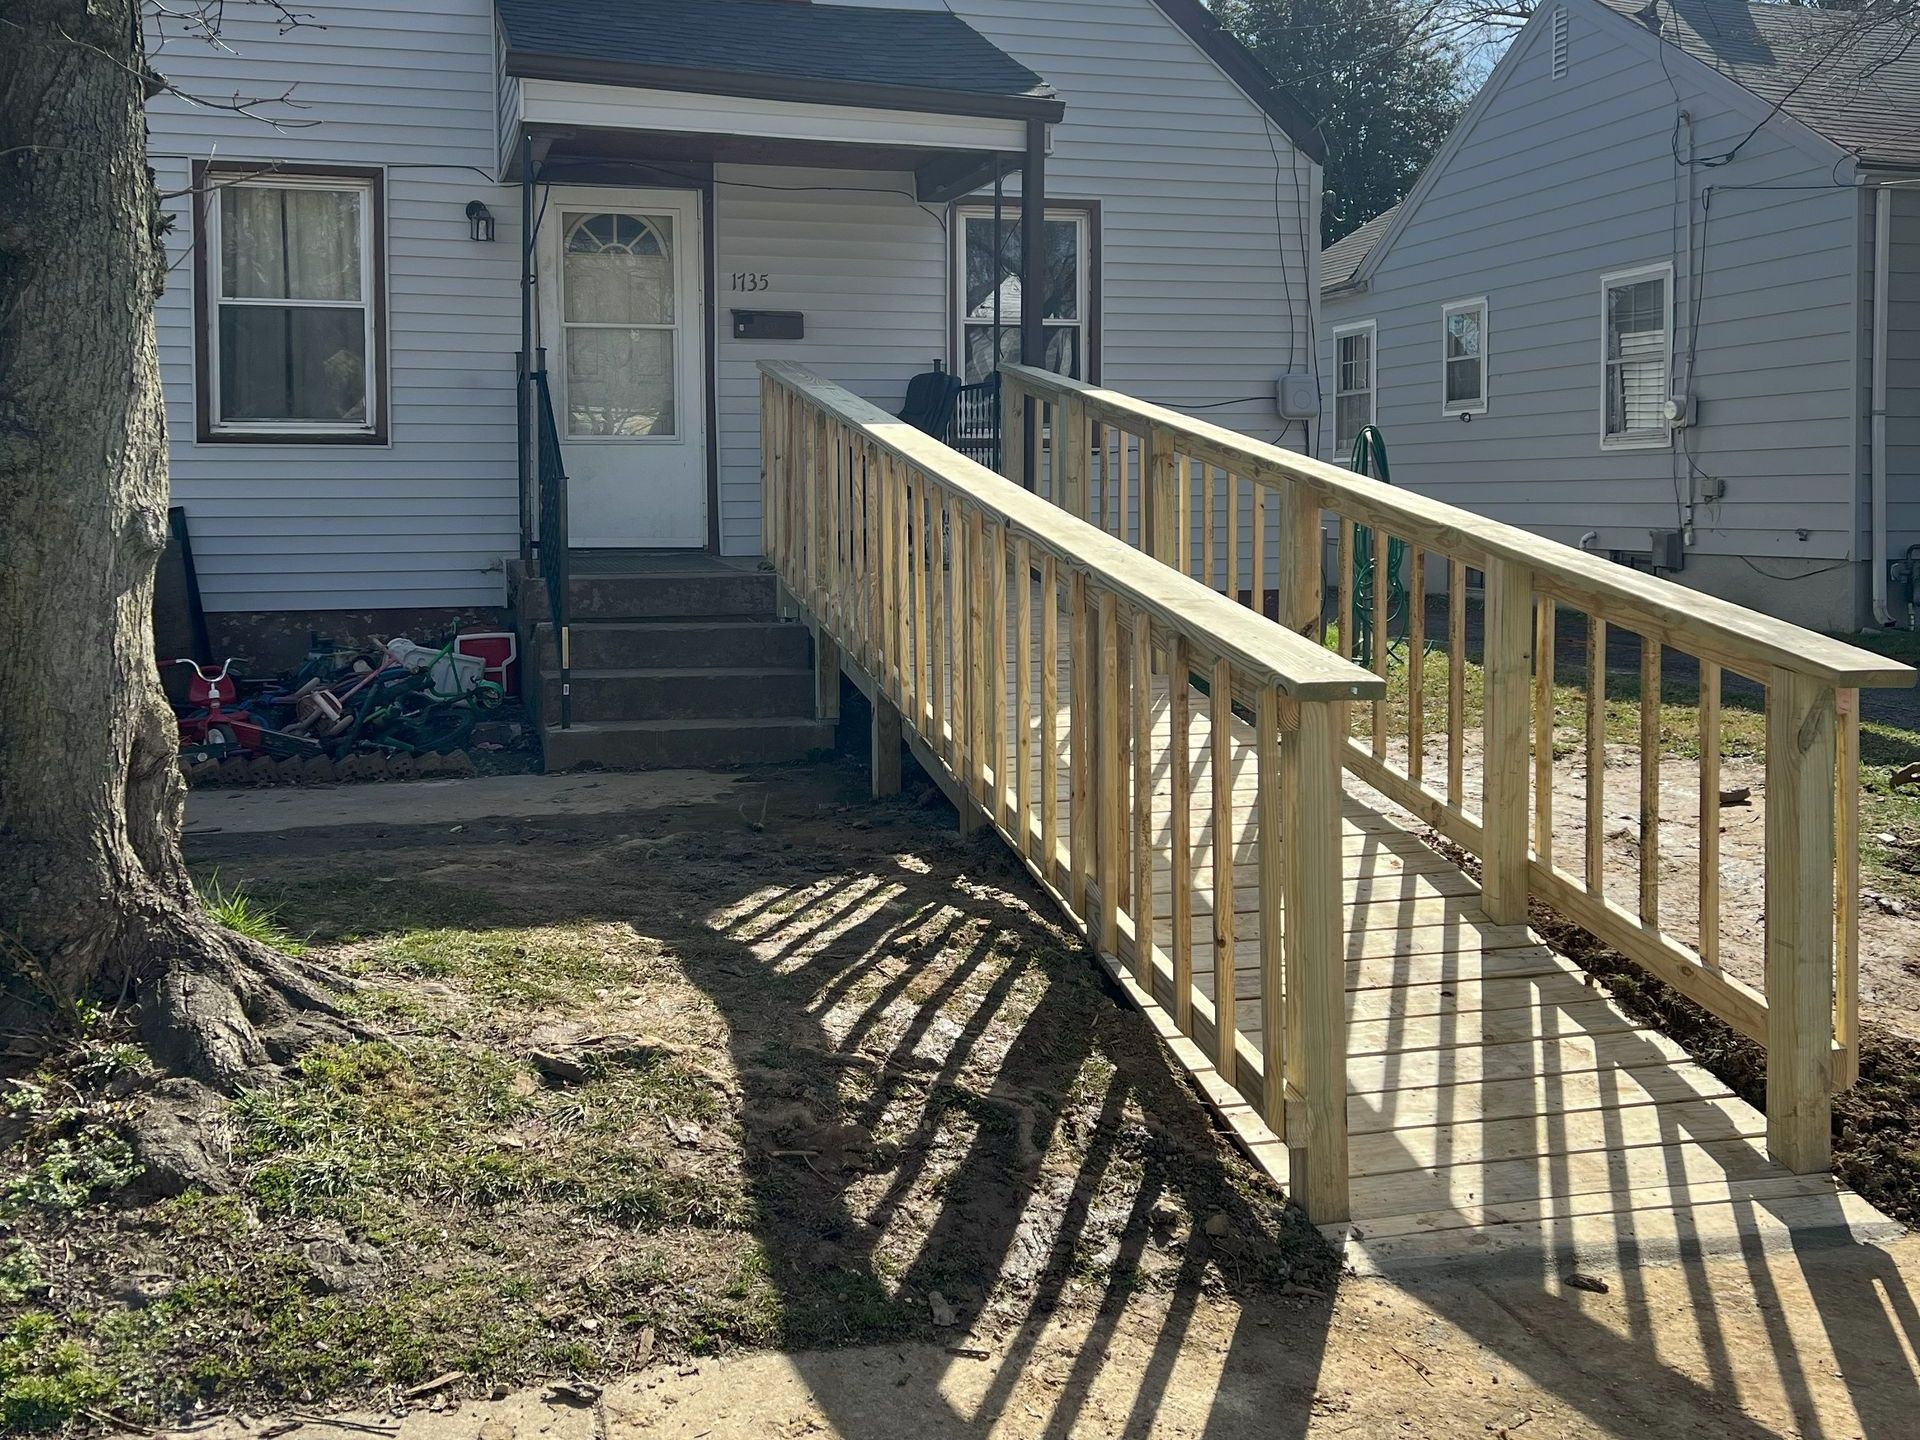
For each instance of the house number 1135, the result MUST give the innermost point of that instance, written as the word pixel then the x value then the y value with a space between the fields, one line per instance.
pixel 749 280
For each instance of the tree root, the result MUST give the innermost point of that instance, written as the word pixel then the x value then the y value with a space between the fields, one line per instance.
pixel 228 1011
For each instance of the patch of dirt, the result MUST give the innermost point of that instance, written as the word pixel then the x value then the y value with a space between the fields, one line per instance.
pixel 793 1069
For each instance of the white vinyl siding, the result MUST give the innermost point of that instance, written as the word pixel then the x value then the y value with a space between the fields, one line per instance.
pixel 1353 395
pixel 1207 223
pixel 1463 357
pixel 1555 184
pixel 425 520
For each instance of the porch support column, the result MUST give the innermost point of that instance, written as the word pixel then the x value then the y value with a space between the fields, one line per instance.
pixel 523 420
pixel 1033 280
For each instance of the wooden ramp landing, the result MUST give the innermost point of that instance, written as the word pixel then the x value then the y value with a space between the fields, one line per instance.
pixel 1499 1101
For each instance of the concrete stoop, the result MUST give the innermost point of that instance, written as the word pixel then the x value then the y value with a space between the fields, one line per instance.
pixel 674 663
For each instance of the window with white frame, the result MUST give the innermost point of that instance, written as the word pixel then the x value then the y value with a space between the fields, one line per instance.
pixel 289 285
pixel 981 268
pixel 1636 323
pixel 1353 384
pixel 1463 357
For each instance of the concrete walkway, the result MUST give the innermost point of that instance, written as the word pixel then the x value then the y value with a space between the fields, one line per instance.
pixel 450 802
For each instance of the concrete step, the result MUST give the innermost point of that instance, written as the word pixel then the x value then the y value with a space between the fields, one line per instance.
pixel 689 693
pixel 693 744
pixel 615 645
pixel 728 594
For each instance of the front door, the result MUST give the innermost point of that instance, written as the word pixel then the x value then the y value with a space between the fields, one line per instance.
pixel 621 317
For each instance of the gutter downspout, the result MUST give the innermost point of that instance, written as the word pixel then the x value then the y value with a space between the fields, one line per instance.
pixel 1877 498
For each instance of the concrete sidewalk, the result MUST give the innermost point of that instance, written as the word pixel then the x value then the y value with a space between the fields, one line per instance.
pixel 453 802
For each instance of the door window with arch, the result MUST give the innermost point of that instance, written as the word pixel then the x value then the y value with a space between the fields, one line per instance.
pixel 620 316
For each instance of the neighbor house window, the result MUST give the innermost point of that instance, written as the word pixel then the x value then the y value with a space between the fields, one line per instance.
pixel 1067 307
pixel 1353 384
pixel 1463 357
pixel 289 301
pixel 1636 319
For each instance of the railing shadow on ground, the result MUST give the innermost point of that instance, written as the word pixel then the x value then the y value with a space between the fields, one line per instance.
pixel 815 952
pixel 822 971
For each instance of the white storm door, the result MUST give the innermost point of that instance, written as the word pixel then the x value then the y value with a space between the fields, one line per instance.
pixel 622 321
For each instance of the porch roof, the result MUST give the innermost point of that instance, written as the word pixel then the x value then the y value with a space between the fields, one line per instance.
pixel 922 60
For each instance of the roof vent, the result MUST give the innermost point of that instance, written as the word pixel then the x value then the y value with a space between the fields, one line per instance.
pixel 1560 44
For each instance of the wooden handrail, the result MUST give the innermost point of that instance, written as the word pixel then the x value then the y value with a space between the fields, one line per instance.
pixel 925 576
pixel 1202 489
pixel 1301 669
pixel 1743 640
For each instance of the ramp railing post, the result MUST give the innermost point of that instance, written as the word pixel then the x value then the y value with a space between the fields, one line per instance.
pixel 1508 705
pixel 1314 915
pixel 1800 919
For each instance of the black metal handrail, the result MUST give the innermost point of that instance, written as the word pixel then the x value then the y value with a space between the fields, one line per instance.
pixel 551 474
pixel 975 427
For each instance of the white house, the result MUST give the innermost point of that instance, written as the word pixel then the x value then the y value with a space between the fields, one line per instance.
pixel 711 184
pixel 1659 295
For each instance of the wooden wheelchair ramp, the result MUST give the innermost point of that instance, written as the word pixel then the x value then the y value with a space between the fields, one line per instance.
pixel 1428 1076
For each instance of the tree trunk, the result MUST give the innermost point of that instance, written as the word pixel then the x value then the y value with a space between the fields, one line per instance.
pixel 94 896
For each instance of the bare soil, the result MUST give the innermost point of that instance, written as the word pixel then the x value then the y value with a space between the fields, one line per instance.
pixel 790 1069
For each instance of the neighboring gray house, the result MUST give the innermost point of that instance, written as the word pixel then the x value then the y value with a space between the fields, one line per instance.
pixel 1660 295
pixel 339 342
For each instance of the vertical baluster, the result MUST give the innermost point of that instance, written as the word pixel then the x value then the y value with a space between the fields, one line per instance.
pixel 1344 614
pixel 1102 437
pixel 1225 989
pixel 1021 792
pixel 997 661
pixel 866 539
pixel 1050 717
pixel 1259 494
pixel 1231 485
pixel 1123 443
pixel 1206 524
pixel 1377 652
pixel 1543 657
pixel 1596 756
pixel 979 639
pixel 1417 666
pixel 1180 821
pixel 1846 907
pixel 1142 846
pixel 1273 919
pixel 1709 846
pixel 1085 659
pixel 898 592
pixel 914 538
pixel 1650 780
pixel 941 735
pixel 1110 795
pixel 1456 683
pixel 1183 517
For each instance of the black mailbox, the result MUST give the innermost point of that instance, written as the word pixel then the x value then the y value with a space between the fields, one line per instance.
pixel 769 325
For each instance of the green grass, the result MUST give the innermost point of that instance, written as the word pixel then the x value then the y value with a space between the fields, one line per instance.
pixel 241 913
pixel 544 968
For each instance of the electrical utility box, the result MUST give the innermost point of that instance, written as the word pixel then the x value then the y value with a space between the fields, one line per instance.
pixel 1297 397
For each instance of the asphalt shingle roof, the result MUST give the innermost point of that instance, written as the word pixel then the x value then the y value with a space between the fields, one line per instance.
pixel 1849 76
pixel 1342 260
pixel 715 42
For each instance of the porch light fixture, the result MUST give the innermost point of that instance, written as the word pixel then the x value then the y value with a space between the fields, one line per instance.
pixel 479 220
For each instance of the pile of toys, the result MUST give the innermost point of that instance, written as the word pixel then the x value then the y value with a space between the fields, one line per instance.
pixel 397 712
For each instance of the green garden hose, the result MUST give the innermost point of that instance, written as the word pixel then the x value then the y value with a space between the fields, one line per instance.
pixel 1370 454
